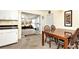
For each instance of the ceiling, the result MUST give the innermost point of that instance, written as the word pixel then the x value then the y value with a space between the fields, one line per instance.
pixel 29 15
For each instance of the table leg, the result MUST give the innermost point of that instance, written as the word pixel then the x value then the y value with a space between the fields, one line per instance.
pixel 42 38
pixel 65 43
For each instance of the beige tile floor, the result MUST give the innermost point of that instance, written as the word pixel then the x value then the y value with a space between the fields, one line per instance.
pixel 29 42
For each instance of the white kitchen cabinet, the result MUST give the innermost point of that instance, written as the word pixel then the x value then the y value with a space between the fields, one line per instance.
pixel 8 36
pixel 8 14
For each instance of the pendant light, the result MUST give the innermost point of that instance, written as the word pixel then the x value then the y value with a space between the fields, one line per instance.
pixel 49 12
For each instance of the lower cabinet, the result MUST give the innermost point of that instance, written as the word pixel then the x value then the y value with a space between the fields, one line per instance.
pixel 8 36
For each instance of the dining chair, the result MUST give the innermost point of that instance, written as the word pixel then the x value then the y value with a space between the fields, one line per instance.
pixel 78 38
pixel 73 40
pixel 47 28
pixel 61 42
pixel 47 39
pixel 53 28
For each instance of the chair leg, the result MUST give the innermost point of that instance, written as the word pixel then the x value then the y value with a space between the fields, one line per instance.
pixel 46 39
pixel 62 46
pixel 76 45
pixel 58 46
pixel 56 41
pixel 49 44
pixel 68 48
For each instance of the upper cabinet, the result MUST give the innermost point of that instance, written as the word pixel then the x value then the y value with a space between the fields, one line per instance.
pixel 8 14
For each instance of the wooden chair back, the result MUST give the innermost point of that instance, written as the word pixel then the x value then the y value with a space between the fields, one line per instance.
pixel 53 28
pixel 47 28
pixel 74 38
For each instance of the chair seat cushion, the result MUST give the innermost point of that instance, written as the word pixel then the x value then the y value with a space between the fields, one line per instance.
pixel 50 39
pixel 61 42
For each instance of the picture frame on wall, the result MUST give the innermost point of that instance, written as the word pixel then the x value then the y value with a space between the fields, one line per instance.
pixel 68 18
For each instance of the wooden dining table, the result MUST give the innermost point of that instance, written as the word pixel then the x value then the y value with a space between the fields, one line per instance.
pixel 59 34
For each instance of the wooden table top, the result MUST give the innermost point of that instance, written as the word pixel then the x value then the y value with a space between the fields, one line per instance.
pixel 61 32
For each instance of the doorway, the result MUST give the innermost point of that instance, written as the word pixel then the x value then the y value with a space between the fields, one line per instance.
pixel 30 24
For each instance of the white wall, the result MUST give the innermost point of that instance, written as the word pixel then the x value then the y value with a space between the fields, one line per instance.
pixel 47 20
pixel 59 19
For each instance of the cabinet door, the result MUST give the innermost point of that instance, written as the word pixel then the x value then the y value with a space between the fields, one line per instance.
pixel 8 15
pixel 8 37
